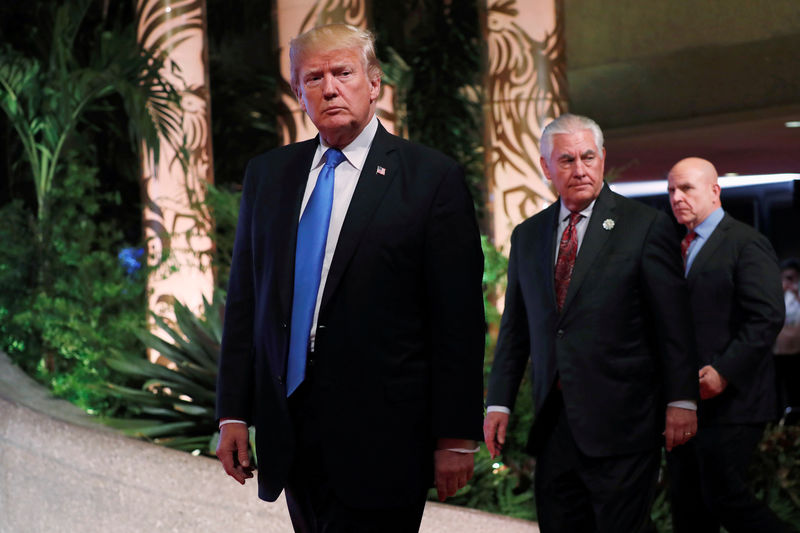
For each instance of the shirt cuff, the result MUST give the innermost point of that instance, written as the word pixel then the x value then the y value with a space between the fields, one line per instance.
pixel 684 404
pixel 498 409
pixel 464 450
pixel 231 421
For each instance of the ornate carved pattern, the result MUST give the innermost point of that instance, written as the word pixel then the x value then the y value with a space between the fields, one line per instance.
pixel 176 222
pixel 526 86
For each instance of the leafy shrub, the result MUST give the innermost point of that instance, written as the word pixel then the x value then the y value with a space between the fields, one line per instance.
pixel 66 302
pixel 174 403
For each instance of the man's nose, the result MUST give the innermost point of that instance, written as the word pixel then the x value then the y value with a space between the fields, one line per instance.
pixel 329 88
pixel 580 167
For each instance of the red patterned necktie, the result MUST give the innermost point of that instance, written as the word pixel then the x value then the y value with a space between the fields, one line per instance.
pixel 685 245
pixel 567 251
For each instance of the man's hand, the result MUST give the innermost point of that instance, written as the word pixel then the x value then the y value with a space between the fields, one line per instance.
pixel 681 425
pixel 494 431
pixel 452 469
pixel 711 383
pixel 232 451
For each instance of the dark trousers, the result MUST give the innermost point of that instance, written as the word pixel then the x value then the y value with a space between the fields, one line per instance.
pixel 314 505
pixel 576 493
pixel 708 483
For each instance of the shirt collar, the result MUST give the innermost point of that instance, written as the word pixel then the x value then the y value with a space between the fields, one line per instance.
pixel 563 212
pixel 355 152
pixel 707 227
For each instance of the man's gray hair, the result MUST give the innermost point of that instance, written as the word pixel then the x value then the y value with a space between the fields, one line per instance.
pixel 333 37
pixel 569 123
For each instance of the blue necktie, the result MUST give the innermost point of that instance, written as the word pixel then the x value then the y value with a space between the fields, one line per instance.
pixel 312 235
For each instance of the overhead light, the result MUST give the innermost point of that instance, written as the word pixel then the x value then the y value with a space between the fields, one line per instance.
pixel 792 124
pixel 654 187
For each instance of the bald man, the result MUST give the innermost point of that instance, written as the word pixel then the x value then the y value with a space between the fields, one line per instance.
pixel 737 307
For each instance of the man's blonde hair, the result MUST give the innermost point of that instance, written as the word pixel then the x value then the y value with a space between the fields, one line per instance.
pixel 334 37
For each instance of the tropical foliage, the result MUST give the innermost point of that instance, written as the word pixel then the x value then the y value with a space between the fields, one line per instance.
pixel 174 405
pixel 62 100
pixel 46 98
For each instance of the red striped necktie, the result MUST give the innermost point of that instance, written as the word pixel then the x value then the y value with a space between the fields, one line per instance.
pixel 567 252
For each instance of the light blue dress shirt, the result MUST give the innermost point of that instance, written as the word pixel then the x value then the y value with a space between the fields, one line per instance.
pixel 703 231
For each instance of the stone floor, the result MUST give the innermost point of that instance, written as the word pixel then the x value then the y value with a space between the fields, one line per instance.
pixel 62 472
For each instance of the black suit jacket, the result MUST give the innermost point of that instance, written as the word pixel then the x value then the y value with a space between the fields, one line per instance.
pixel 737 304
pixel 622 345
pixel 399 345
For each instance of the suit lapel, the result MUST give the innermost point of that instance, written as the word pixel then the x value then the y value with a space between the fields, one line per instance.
pixel 548 251
pixel 370 190
pixel 709 247
pixel 593 241
pixel 293 186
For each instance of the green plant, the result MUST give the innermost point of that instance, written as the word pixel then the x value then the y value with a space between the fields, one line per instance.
pixel 223 203
pixel 174 404
pixel 776 472
pixel 61 335
pixel 44 99
pixel 434 53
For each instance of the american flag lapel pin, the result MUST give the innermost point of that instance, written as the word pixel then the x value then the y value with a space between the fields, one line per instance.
pixel 380 170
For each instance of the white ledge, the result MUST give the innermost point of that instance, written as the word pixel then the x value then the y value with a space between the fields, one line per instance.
pixel 61 471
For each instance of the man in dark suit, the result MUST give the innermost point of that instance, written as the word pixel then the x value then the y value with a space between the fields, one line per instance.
pixel 353 342
pixel 597 302
pixel 737 308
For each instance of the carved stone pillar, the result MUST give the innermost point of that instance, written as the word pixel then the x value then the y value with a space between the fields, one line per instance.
pixel 176 224
pixel 525 89
pixel 297 16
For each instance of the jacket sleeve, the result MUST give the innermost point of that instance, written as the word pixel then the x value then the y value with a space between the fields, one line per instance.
pixel 668 301
pixel 513 343
pixel 758 313
pixel 453 273
pixel 235 375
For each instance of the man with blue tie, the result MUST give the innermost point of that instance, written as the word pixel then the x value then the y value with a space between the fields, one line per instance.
pixel 353 337
pixel 737 309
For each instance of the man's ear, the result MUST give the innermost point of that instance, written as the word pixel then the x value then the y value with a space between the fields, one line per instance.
pixel 299 94
pixel 543 164
pixel 375 88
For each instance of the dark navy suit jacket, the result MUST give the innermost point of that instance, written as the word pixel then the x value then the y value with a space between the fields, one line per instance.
pixel 399 345
pixel 737 304
pixel 622 346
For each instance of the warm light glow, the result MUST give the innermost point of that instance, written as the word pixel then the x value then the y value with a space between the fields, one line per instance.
pixel 175 228
pixel 633 189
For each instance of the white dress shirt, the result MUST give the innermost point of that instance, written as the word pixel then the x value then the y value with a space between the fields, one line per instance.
pixel 344 185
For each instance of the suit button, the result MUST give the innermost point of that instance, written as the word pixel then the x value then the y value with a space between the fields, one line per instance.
pixel 283 325
pixel 280 380
pixel 560 333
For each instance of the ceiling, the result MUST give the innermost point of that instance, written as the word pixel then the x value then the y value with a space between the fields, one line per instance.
pixel 667 80
pixel 756 142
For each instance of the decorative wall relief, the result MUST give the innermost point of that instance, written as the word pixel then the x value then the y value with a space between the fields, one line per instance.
pixel 176 223
pixel 525 89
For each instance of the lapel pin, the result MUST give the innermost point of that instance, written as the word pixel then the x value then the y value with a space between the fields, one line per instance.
pixel 608 224
pixel 381 171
